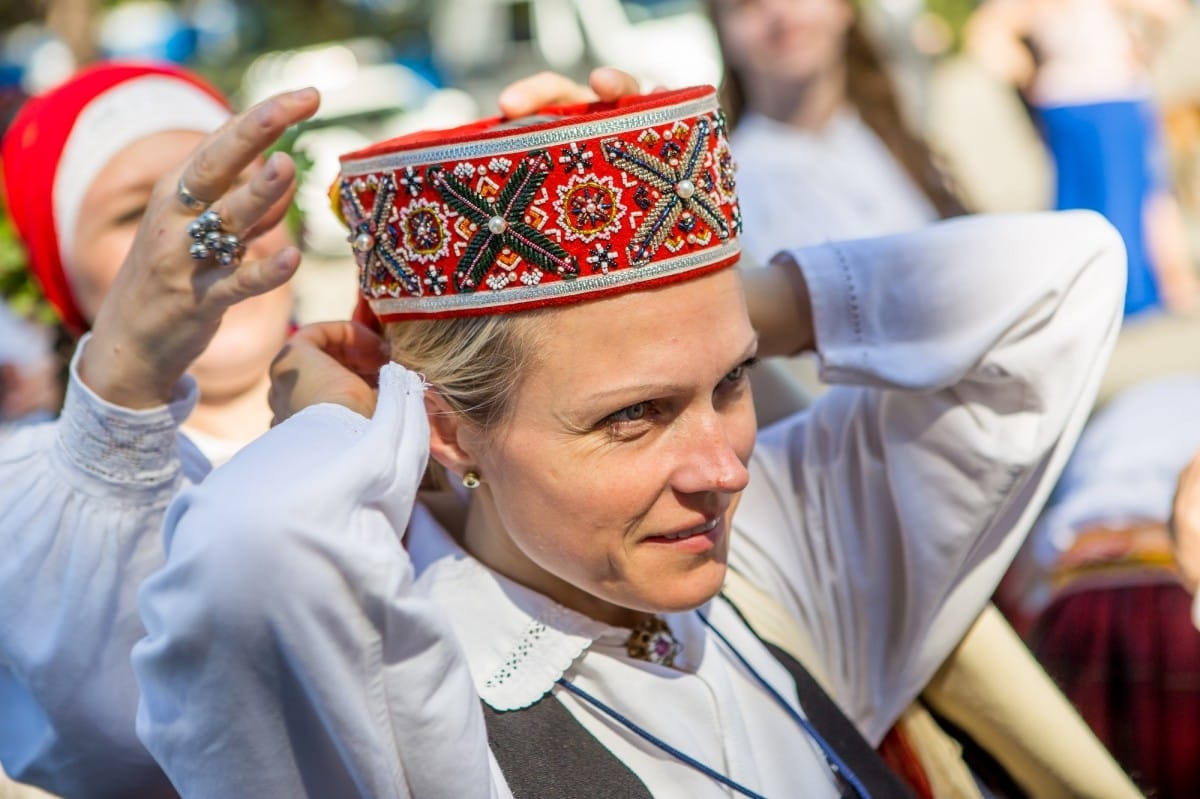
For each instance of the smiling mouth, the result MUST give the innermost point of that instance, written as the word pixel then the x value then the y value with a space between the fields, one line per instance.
pixel 707 527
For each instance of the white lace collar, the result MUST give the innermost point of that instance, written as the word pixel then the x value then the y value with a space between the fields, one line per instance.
pixel 517 641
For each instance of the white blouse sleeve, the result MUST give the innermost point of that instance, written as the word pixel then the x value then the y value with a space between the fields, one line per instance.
pixel 969 354
pixel 82 501
pixel 286 652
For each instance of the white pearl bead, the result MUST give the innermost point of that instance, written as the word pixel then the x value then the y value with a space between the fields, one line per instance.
pixel 363 242
pixel 685 189
pixel 497 224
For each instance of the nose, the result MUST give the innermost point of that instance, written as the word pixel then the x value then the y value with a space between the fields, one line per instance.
pixel 710 460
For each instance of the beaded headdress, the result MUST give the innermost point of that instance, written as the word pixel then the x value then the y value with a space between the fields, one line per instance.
pixel 577 203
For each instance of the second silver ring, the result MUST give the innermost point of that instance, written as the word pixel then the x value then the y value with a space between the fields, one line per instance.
pixel 210 239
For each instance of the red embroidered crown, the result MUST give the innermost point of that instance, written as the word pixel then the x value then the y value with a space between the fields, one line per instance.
pixel 491 217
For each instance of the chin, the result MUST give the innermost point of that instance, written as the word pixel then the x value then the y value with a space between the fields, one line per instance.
pixel 690 591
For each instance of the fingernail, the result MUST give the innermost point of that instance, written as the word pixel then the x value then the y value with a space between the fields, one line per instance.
pixel 271 169
pixel 287 260
pixel 305 94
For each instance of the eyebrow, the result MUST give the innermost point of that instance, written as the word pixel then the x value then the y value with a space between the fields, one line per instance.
pixel 667 388
pixel 132 187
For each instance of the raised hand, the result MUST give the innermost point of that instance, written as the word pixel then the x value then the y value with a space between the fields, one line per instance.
pixel 1185 523
pixel 167 301
pixel 530 94
pixel 327 362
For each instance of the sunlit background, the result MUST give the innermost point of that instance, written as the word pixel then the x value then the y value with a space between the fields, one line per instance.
pixel 389 66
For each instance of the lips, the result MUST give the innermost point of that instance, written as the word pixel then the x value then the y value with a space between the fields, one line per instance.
pixel 698 539
pixel 700 529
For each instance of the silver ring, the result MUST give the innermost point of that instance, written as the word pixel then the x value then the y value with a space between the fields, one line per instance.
pixel 210 240
pixel 189 200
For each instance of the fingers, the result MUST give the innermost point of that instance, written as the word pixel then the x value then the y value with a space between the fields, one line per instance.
pixel 228 285
pixel 610 83
pixel 351 344
pixel 1184 523
pixel 260 203
pixel 328 362
pixel 530 94
pixel 221 158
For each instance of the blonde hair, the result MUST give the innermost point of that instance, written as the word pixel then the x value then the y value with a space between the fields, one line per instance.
pixel 475 363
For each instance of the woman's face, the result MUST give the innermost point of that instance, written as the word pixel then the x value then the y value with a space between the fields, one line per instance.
pixel 782 42
pixel 251 332
pixel 609 489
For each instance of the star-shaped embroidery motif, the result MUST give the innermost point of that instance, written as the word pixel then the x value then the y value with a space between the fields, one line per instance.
pixel 679 182
pixel 501 222
pixel 369 234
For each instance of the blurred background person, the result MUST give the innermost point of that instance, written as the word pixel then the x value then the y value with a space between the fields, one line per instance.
pixel 824 148
pixel 1100 596
pixel 79 165
pixel 82 498
pixel 1083 71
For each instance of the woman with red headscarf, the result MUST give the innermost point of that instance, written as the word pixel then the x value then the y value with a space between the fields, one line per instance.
pixel 95 173
pixel 79 165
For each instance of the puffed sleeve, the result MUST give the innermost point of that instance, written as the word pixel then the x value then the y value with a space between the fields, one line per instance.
pixel 82 501
pixel 967 355
pixel 286 652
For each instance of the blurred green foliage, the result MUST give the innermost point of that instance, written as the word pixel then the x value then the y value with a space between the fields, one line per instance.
pixel 955 13
pixel 17 287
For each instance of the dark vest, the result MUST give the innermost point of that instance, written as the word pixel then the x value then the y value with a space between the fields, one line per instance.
pixel 546 754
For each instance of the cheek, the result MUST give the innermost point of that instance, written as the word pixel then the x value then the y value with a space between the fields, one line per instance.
pixel 743 429
pixel 94 266
pixel 578 506
pixel 739 37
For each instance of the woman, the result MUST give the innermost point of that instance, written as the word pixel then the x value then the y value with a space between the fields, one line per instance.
pixel 82 498
pixel 80 163
pixel 1107 610
pixel 577 354
pixel 1085 77
pixel 824 150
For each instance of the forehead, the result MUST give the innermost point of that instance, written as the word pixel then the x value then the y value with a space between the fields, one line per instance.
pixel 142 162
pixel 692 331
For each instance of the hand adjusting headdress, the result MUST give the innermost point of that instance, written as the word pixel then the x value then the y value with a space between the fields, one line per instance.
pixel 579 203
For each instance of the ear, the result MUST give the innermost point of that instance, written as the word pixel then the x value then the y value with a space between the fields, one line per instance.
pixel 450 435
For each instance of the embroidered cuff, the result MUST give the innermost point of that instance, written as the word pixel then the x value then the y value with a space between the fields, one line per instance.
pixel 836 293
pixel 119 446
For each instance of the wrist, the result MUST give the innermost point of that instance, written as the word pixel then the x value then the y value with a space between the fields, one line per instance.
pixel 780 307
pixel 119 373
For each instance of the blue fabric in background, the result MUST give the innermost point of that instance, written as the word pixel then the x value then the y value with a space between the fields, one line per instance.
pixel 1106 156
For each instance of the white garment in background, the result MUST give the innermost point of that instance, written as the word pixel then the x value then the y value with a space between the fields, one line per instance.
pixel 295 649
pixel 21 341
pixel 82 501
pixel 798 187
pixel 1123 471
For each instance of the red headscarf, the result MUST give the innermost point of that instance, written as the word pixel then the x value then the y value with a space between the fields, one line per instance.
pixel 32 155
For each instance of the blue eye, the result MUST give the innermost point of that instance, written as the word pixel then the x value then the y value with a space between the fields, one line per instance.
pixel 635 412
pixel 738 373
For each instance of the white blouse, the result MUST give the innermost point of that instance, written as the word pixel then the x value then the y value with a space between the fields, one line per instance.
pixel 294 647
pixel 82 500
pixel 799 187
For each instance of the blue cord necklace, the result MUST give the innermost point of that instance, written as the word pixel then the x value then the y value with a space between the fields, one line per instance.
pixel 835 761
